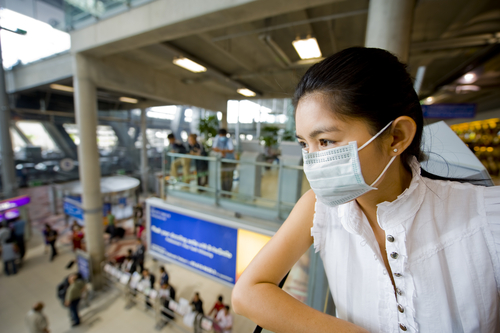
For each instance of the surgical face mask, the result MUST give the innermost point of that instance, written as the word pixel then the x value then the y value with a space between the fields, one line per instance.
pixel 335 174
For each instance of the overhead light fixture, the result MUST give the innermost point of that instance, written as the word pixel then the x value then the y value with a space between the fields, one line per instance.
pixel 307 48
pixel 129 100
pixel 462 89
pixel 246 92
pixel 189 64
pixel 468 78
pixel 56 86
pixel 428 100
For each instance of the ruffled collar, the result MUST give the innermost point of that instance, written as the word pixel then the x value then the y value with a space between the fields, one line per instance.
pixel 389 214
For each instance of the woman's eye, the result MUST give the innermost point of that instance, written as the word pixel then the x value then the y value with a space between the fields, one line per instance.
pixel 326 143
pixel 302 144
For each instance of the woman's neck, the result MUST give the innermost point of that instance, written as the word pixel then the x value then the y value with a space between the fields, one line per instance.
pixel 395 181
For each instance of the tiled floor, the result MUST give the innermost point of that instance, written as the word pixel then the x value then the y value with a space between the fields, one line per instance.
pixel 38 278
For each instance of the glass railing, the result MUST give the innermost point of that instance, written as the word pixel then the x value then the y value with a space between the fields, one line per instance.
pixel 81 13
pixel 266 190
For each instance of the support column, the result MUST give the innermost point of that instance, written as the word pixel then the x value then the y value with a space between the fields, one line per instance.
pixel 9 180
pixel 144 153
pixel 88 158
pixel 389 26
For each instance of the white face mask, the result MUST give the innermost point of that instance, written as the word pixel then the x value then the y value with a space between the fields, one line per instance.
pixel 335 174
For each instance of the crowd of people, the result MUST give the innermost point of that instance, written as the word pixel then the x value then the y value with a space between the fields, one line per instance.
pixel 133 262
pixel 222 146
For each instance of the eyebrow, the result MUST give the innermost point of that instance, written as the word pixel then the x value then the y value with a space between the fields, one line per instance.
pixel 319 131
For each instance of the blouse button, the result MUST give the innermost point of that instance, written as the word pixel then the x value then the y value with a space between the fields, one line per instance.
pixel 399 291
pixel 390 238
pixel 398 274
pixel 402 327
pixel 394 255
pixel 400 308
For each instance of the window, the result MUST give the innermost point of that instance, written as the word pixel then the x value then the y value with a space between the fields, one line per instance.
pixel 38 135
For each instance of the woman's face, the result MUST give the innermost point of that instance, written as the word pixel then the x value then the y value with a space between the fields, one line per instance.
pixel 318 129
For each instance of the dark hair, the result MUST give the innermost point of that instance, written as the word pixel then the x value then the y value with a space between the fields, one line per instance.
pixel 220 298
pixel 222 131
pixel 171 136
pixel 227 307
pixel 369 84
pixel 162 268
pixel 373 85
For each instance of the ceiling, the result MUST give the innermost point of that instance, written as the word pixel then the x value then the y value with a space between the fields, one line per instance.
pixel 449 37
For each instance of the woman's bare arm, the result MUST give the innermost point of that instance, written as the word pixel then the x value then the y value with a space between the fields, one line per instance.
pixel 256 294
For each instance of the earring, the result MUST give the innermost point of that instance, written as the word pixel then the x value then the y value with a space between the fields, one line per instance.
pixel 395 150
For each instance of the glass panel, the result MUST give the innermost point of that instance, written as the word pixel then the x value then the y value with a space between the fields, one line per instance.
pixel 37 135
pixel 17 141
pixel 106 136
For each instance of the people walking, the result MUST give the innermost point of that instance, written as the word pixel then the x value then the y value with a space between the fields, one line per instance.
pixel 50 238
pixel 73 297
pixel 223 322
pixel 36 320
pixel 139 254
pixel 9 255
pixel 18 225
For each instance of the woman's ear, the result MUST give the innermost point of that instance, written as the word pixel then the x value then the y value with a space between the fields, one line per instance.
pixel 403 131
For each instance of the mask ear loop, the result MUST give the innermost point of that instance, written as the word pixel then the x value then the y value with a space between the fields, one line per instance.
pixel 375 136
pixel 383 171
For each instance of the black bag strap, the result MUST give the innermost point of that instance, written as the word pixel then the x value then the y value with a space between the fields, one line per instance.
pixel 258 329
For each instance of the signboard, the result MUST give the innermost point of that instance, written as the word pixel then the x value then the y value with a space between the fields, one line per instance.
pixel 73 208
pixel 449 110
pixel 83 264
pixel 10 214
pixel 218 248
pixel 14 202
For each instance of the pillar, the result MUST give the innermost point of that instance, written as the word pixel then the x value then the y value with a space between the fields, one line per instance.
pixel 9 180
pixel 144 153
pixel 389 26
pixel 89 167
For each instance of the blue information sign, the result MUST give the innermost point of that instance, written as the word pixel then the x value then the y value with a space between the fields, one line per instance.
pixel 72 208
pixel 204 246
pixel 449 110
pixel 83 265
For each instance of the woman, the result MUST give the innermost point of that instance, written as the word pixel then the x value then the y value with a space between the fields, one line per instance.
pixel 50 236
pixel 77 238
pixel 402 250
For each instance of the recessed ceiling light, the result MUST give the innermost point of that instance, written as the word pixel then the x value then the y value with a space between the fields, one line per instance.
pixel 246 92
pixel 56 86
pixel 468 78
pixel 190 65
pixel 129 100
pixel 307 48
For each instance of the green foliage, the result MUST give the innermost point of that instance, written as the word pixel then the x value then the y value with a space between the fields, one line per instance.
pixel 269 134
pixel 208 128
pixel 288 136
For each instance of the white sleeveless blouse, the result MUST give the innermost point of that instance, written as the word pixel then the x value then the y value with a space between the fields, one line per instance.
pixel 443 246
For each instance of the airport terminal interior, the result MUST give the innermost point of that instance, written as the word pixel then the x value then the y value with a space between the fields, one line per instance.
pixel 112 112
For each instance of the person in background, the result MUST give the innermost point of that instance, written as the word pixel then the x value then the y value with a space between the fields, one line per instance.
pixel 223 321
pixel 217 307
pixel 224 145
pixel 146 276
pixel 50 236
pixel 138 213
pixel 178 148
pixel 197 305
pixel 18 225
pixel 73 297
pixel 128 263
pixel 111 228
pixel 163 276
pixel 36 320
pixel 77 237
pixel 166 294
pixel 139 254
pixel 10 252
pixel 201 166
pixel 4 233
